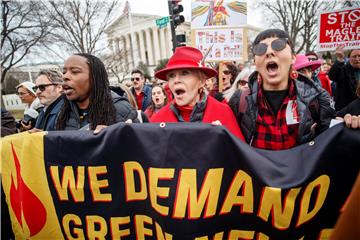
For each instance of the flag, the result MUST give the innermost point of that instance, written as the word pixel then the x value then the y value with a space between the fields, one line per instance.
pixel 127 9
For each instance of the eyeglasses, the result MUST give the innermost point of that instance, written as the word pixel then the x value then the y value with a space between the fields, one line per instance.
pixel 22 93
pixel 42 87
pixel 355 56
pixel 226 72
pixel 243 82
pixel 277 45
pixel 135 79
pixel 311 59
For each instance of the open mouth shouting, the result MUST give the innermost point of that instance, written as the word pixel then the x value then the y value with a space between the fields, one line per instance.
pixel 272 68
pixel 179 92
pixel 67 89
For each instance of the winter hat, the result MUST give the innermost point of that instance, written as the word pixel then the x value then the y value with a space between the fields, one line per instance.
pixel 28 85
pixel 302 61
pixel 186 57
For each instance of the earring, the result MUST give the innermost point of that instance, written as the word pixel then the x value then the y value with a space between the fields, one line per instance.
pixel 293 74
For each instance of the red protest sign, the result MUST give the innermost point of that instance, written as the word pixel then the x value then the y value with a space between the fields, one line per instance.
pixel 339 28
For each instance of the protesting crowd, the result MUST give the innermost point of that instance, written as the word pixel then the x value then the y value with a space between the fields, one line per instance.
pixel 280 101
pixel 277 101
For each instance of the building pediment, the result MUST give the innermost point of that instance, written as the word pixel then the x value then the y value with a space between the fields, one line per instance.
pixel 123 21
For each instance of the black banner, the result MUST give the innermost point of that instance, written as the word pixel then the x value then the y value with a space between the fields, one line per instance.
pixel 196 181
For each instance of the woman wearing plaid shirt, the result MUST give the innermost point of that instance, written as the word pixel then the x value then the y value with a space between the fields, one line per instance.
pixel 282 108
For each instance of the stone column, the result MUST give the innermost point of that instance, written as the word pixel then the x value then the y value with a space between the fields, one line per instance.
pixel 134 49
pixel 111 45
pixel 117 45
pixel 149 47
pixel 142 46
pixel 156 44
pixel 168 42
pixel 128 51
pixel 163 43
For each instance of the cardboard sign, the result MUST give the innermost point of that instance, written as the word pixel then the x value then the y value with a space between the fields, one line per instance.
pixel 226 43
pixel 339 28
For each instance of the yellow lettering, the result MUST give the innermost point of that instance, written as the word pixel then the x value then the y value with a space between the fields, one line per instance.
pixel 187 193
pixel 154 191
pixel 116 232
pixel 131 193
pixel 325 233
pixel 239 234
pixel 92 222
pixel 241 181
pixel 271 202
pixel 140 229
pixel 322 183
pixel 69 182
pixel 262 236
pixel 217 236
pixel 96 184
pixel 159 233
pixel 77 233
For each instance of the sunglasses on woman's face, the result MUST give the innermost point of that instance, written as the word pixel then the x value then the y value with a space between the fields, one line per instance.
pixel 243 82
pixel 277 45
pixel 226 72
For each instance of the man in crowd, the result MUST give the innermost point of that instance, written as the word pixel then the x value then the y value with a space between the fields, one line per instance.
pixel 90 104
pixel 48 89
pixel 140 90
pixel 346 77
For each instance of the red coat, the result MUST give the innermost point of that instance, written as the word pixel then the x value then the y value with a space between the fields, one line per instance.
pixel 325 82
pixel 214 110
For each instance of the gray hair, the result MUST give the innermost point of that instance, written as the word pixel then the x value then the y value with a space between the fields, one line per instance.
pixel 54 76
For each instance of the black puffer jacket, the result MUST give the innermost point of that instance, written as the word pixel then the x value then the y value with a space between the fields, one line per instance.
pixel 314 106
pixel 344 76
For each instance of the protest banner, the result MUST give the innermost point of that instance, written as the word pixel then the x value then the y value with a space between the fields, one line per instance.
pixel 174 181
pixel 339 28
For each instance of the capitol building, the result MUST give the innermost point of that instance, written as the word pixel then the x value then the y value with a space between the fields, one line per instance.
pixel 142 41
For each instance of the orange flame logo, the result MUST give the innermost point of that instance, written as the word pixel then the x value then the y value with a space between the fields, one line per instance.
pixel 24 202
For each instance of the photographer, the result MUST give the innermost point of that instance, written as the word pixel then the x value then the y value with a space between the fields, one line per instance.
pixel 32 105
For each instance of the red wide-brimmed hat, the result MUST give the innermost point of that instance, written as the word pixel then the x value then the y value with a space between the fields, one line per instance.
pixel 186 57
pixel 302 61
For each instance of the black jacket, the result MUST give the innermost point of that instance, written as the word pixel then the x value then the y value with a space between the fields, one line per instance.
pixel 344 76
pixel 314 106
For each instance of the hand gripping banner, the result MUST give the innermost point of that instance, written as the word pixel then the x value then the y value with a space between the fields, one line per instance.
pixel 178 181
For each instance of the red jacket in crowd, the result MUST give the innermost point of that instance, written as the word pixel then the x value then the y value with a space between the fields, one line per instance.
pixel 214 110
pixel 325 82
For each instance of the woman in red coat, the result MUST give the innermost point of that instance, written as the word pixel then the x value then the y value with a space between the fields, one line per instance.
pixel 186 75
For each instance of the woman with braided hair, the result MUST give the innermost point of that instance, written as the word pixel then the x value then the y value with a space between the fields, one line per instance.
pixel 90 102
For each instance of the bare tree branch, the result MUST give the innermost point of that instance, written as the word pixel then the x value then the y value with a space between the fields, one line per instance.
pixel 80 24
pixel 22 29
pixel 298 18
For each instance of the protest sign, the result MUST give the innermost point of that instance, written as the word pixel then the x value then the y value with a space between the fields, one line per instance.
pixel 339 28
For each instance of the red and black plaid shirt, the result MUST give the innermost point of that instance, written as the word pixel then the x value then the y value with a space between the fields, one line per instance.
pixel 273 132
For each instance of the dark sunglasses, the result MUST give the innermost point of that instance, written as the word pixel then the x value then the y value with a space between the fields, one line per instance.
pixel 226 72
pixel 243 82
pixel 277 45
pixel 135 79
pixel 42 87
